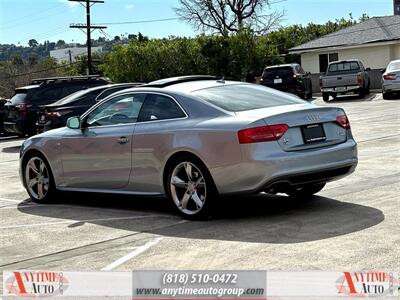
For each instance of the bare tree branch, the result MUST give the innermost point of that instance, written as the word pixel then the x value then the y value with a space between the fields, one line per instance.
pixel 228 16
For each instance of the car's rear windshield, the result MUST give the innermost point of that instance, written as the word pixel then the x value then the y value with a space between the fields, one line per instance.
pixel 394 66
pixel 281 72
pixel 243 97
pixel 344 67
pixel 19 97
pixel 71 98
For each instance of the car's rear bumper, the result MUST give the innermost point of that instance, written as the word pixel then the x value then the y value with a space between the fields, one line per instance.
pixel 266 166
pixel 14 127
pixel 341 89
pixel 390 87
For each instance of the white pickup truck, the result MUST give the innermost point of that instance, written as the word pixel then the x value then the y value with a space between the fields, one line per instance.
pixel 343 77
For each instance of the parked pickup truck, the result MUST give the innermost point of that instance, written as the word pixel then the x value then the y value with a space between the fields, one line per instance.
pixel 343 77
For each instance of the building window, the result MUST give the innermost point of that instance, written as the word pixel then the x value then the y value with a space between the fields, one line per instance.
pixel 325 59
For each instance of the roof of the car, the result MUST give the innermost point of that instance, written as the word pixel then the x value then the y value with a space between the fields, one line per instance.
pixel 28 87
pixel 184 87
pixel 283 65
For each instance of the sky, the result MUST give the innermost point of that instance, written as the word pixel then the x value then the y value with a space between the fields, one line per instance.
pixel 21 20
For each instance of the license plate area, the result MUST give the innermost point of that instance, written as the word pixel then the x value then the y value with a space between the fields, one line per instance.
pixel 278 80
pixel 42 119
pixel 313 133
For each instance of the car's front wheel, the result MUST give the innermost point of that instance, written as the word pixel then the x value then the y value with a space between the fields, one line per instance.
pixel 191 189
pixel 305 190
pixel 38 178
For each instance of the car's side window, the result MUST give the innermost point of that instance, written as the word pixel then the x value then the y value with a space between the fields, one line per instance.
pixel 119 110
pixel 47 94
pixel 159 107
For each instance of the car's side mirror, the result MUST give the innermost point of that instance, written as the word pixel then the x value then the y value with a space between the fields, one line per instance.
pixel 383 71
pixel 74 123
pixel 368 69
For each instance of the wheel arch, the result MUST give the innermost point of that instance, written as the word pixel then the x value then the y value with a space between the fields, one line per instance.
pixel 175 157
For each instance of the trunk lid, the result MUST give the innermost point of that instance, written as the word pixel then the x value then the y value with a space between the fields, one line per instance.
pixel 310 126
pixel 331 81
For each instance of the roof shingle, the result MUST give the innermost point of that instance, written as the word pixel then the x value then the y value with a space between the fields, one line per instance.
pixel 376 29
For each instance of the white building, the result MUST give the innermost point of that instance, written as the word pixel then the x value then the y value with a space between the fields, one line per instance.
pixel 70 54
pixel 375 42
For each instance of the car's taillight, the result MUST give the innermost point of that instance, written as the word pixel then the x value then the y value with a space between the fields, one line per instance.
pixel 56 114
pixel 343 121
pixel 320 82
pixel 23 108
pixel 360 80
pixel 389 76
pixel 262 133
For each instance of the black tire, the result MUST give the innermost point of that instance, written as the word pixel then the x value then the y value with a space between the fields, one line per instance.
pixel 386 96
pixel 310 94
pixel 51 189
pixel 334 96
pixel 207 193
pixel 361 93
pixel 368 89
pixel 325 97
pixel 306 190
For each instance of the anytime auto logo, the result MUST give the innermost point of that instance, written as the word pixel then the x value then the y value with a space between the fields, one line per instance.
pixel 367 284
pixel 36 283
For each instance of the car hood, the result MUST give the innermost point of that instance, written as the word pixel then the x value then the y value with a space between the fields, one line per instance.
pixel 59 132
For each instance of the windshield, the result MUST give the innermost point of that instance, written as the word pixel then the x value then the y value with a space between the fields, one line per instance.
pixel 394 66
pixel 19 97
pixel 344 67
pixel 70 98
pixel 281 72
pixel 242 97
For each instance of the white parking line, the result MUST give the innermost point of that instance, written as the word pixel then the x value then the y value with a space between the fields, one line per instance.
pixel 132 254
pixel 77 221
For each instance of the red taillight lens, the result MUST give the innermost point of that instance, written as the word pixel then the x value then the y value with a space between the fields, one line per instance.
pixel 343 121
pixel 52 114
pixel 360 80
pixel 320 82
pixel 262 134
pixel 389 77
pixel 23 108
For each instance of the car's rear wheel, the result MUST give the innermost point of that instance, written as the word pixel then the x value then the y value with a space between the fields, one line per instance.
pixel 38 178
pixel 325 97
pixel 361 93
pixel 305 190
pixel 386 96
pixel 191 189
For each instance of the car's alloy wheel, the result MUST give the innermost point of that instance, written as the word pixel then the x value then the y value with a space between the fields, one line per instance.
pixel 38 179
pixel 191 188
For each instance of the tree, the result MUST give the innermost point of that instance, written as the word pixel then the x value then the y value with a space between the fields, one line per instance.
pixel 228 16
pixel 33 43
pixel 117 38
pixel 60 43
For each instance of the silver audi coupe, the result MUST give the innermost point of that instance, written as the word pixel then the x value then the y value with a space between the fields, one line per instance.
pixel 192 139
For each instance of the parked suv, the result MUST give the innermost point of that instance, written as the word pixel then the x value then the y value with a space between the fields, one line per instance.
pixel 2 112
pixel 21 111
pixel 55 115
pixel 343 77
pixel 289 78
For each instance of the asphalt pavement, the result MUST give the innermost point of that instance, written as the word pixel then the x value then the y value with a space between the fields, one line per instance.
pixel 353 224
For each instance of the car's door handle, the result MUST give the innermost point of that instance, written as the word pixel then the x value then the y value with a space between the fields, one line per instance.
pixel 123 140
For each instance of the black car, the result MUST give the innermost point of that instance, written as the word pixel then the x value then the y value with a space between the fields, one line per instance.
pixel 2 113
pixel 55 115
pixel 289 78
pixel 21 112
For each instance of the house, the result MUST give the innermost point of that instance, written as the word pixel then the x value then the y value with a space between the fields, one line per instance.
pixel 375 42
pixel 69 55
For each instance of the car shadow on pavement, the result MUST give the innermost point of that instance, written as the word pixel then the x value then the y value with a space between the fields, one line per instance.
pixel 257 219
pixel 14 149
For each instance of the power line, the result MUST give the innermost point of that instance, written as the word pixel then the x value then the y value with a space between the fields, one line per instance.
pixel 39 71
pixel 33 14
pixel 138 22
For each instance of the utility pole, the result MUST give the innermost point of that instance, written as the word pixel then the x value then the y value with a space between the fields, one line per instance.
pixel 89 28
pixel 70 56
